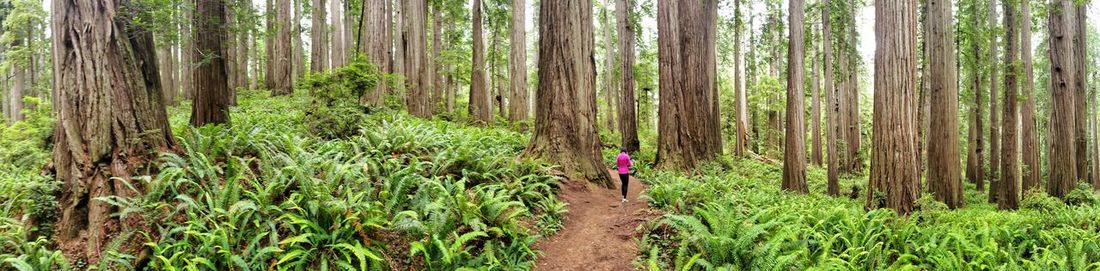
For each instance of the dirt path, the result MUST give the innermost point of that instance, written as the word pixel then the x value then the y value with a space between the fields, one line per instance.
pixel 598 229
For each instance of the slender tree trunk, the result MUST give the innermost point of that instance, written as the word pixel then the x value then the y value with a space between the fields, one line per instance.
pixel 1030 150
pixel 831 109
pixel 337 56
pixel 943 137
pixel 298 64
pixel 171 70
pixel 269 45
pixel 438 88
pixel 977 169
pixel 495 82
pixel 188 55
pixel 1080 43
pixel 816 157
pixel 628 120
pixel 19 83
pixel 282 73
pixel 740 148
pixel 242 52
pixel 608 67
pixel 318 48
pixel 1009 188
pixel 794 158
pixel 399 39
pixel 228 51
pixel 994 125
pixel 855 133
pixel 685 40
pixel 111 122
pixel 1063 153
pixel 517 66
pixel 211 99
pixel 565 118
pixel 479 108
pixel 894 138
pixel 417 73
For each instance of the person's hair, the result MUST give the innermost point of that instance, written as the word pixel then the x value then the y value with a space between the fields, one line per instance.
pixel 623 149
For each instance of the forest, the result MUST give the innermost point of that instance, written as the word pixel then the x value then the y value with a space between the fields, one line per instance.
pixel 549 135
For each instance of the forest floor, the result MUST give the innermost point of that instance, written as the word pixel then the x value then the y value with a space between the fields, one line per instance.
pixel 599 229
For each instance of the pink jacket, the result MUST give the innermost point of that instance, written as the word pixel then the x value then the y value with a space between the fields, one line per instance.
pixel 624 163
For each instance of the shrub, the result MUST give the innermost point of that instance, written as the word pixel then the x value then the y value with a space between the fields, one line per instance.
pixel 1038 200
pixel 335 111
pixel 1082 195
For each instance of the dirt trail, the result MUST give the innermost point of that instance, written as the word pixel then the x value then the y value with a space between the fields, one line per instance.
pixel 598 229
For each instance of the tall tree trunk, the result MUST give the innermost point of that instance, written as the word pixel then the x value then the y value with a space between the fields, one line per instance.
pixel 855 133
pixel 608 67
pixel 372 25
pixel 318 48
pixel 496 99
pixel 565 118
pixel 437 90
pixel 628 120
pixel 816 157
pixel 976 169
pixel 994 125
pixel 943 91
pixel 479 108
pixel 298 64
pixel 831 110
pixel 417 72
pixel 741 144
pixel 685 40
pixel 228 51
pixel 1009 188
pixel 171 70
pixel 283 52
pixel 242 51
pixel 18 86
pixel 894 138
pixel 211 99
pixel 794 158
pixel 269 45
pixel 111 121
pixel 188 55
pixel 1032 170
pixel 399 39
pixel 517 67
pixel 1080 43
pixel 336 36
pixel 1063 153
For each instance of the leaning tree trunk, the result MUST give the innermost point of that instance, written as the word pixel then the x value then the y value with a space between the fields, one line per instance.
pixel 282 74
pixel 211 99
pixel 831 110
pixel 1030 149
pixel 894 137
pixel 794 158
pixel 565 118
pixel 479 108
pixel 111 120
pixel 318 49
pixel 943 91
pixel 628 120
pixel 1008 197
pixel 994 125
pixel 685 39
pixel 417 72
pixel 517 64
pixel 371 26
pixel 1063 154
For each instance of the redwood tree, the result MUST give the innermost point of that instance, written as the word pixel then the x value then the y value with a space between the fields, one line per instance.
pixel 1063 154
pixel 417 72
pixel 741 144
pixel 794 158
pixel 1030 148
pixel 686 46
pixel 831 111
pixel 628 120
pixel 943 137
pixel 994 125
pixel 1079 24
pixel 372 26
pixel 111 120
pixel 479 107
pixel 893 151
pixel 282 55
pixel 518 103
pixel 211 98
pixel 318 53
pixel 565 115
pixel 1008 189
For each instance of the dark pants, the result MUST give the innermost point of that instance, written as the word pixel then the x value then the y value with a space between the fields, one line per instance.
pixel 625 178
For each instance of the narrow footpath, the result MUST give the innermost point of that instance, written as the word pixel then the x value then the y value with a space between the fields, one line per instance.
pixel 599 230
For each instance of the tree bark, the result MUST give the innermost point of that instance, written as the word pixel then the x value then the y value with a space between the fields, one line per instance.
pixel 1080 43
pixel 741 144
pixel 399 39
pixel 19 74
pixel 608 67
pixel 686 38
pixel 1008 197
pixel 242 50
pixel 855 130
pixel 111 120
pixel 565 116
pixel 372 25
pixel 1063 152
pixel 816 156
pixel 211 99
pixel 269 46
pixel 318 48
pixel 337 56
pixel 628 120
pixel 418 80
pixel 1030 149
pixel 187 67
pixel 438 89
pixel 894 135
pixel 942 84
pixel 517 67
pixel 831 109
pixel 298 63
pixel 282 73
pixel 794 158
pixel 479 108
pixel 994 125
pixel 975 168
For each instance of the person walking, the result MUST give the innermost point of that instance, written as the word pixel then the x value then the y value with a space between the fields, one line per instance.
pixel 624 163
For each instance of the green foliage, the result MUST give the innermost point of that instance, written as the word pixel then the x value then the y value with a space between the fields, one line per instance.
pixel 24 151
pixel 1082 195
pixel 735 217
pixel 335 110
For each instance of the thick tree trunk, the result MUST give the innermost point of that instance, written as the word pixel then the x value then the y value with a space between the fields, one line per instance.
pixel 111 122
pixel 283 55
pixel 1008 197
pixel 479 108
pixel 943 135
pixel 1080 43
pixel 994 125
pixel 565 118
pixel 418 80
pixel 371 26
pixel 517 64
pixel 318 48
pixel 338 54
pixel 1032 170
pixel 831 110
pixel 894 138
pixel 628 120
pixel 686 38
pixel 794 158
pixel 211 99
pixel 1063 152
